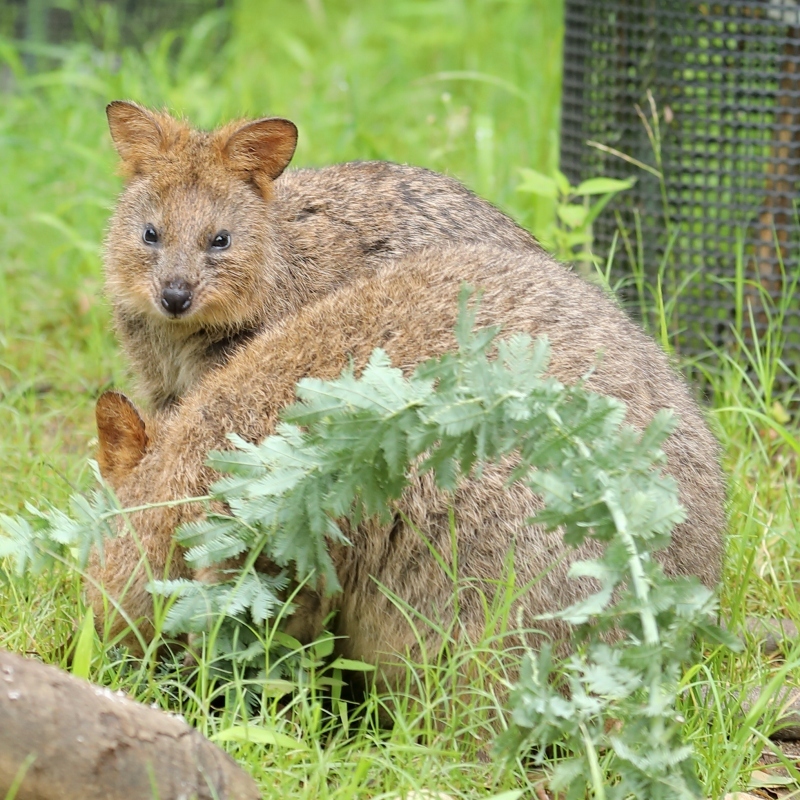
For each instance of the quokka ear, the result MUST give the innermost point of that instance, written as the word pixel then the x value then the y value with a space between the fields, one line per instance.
pixel 261 150
pixel 139 135
pixel 121 435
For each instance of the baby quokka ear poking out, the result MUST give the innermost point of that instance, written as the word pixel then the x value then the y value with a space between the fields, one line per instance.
pixel 121 435
pixel 260 151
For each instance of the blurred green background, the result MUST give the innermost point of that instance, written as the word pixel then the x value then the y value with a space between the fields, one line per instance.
pixel 466 87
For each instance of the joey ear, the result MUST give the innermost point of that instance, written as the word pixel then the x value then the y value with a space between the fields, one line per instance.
pixel 262 150
pixel 121 435
pixel 139 135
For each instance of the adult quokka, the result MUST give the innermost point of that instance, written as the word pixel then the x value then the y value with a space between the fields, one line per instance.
pixel 212 242
pixel 409 308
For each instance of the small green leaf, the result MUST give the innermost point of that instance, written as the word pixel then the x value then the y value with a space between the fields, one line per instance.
pixel 277 687
pixel 603 186
pixel 259 735
pixel 597 207
pixel 333 683
pixel 582 611
pixel 534 182
pixel 563 183
pixel 84 647
pixel 578 238
pixel 572 215
pixel 289 642
pixel 352 665
pixel 323 646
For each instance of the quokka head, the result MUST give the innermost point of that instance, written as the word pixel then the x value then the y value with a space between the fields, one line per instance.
pixel 189 238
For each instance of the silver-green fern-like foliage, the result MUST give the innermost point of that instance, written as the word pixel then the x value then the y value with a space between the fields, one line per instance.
pixel 345 450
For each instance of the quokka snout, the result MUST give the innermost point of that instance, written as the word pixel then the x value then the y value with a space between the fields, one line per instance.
pixel 409 307
pixel 211 241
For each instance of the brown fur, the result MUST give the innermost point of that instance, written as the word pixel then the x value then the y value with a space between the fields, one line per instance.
pixel 409 308
pixel 295 237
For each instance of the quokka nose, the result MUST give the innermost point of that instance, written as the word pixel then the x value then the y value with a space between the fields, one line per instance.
pixel 176 298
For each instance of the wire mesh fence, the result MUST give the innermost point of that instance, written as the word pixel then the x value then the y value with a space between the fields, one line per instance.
pixel 725 79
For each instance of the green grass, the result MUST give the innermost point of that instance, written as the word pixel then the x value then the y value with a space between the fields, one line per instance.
pixel 469 88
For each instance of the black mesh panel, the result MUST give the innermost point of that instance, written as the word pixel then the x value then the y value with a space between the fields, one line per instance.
pixel 726 81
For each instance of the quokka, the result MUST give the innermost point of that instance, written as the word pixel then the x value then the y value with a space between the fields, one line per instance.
pixel 212 242
pixel 409 308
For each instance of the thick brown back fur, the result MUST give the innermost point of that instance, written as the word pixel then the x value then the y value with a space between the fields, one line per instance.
pixel 294 238
pixel 409 308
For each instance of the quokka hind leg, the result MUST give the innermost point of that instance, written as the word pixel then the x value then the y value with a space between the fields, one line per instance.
pixel 448 690
pixel 449 669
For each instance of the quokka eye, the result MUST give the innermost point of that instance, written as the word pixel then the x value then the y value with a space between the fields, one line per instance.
pixel 150 235
pixel 222 241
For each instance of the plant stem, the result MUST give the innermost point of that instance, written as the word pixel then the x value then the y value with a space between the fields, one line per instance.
pixel 594 764
pixel 639 579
